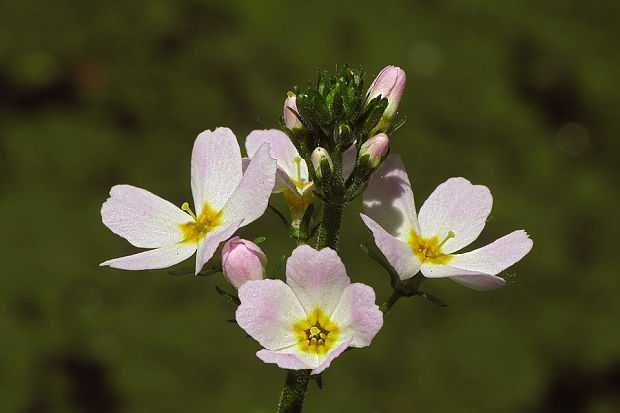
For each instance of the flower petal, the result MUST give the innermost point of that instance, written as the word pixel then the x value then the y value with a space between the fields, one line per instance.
pixel 458 206
pixel 282 149
pixel 389 199
pixel 349 157
pixel 268 311
pixel 398 253
pixel 143 218
pixel 480 282
pixel 357 315
pixel 476 269
pixel 283 360
pixel 283 181
pixel 216 168
pixel 318 278
pixel 294 359
pixel 208 245
pixel 153 259
pixel 249 200
pixel 331 356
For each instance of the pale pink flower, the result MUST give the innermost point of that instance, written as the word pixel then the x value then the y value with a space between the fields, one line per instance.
pixel 450 219
pixel 389 84
pixel 312 318
pixel 292 178
pixel 318 154
pixel 290 119
pixel 376 148
pixel 242 260
pixel 224 200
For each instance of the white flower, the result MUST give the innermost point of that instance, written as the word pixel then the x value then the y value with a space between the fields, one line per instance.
pixel 292 178
pixel 450 219
pixel 224 200
pixel 311 319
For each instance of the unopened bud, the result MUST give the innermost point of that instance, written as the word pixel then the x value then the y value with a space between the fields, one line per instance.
pixel 242 260
pixel 318 156
pixel 290 119
pixel 390 84
pixel 376 148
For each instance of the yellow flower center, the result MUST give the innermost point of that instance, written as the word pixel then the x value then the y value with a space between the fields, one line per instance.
pixel 205 223
pixel 429 249
pixel 316 334
pixel 297 204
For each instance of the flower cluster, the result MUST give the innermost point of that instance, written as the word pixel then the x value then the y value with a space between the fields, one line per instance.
pixel 333 146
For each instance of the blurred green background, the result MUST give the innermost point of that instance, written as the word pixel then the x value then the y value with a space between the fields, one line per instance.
pixel 519 96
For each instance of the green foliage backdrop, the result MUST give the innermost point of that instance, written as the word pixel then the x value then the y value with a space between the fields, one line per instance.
pixel 519 96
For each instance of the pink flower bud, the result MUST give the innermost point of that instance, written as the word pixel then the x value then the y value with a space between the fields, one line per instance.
pixel 376 148
pixel 390 84
pixel 290 119
pixel 317 157
pixel 242 260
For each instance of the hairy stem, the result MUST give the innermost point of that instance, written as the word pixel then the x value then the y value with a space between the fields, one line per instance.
pixel 329 228
pixel 386 306
pixel 294 391
pixel 296 385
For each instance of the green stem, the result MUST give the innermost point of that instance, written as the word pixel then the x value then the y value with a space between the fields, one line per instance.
pixel 386 306
pixel 294 391
pixel 296 386
pixel 329 228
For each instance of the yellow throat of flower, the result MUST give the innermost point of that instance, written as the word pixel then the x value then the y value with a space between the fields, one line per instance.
pixel 297 204
pixel 429 249
pixel 316 334
pixel 195 231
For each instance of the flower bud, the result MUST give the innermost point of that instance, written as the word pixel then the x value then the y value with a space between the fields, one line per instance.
pixel 390 84
pixel 318 155
pixel 242 260
pixel 376 148
pixel 290 119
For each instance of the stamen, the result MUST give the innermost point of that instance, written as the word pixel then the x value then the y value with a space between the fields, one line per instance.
pixel 450 235
pixel 314 330
pixel 185 207
pixel 298 162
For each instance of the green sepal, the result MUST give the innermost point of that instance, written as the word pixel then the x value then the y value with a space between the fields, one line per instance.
pixel 312 106
pixel 326 170
pixel 372 116
pixel 318 379
pixel 305 106
pixel 279 214
pixel 304 226
pixel 313 231
pixel 397 125
pixel 334 99
pixel 278 270
pixel 207 271
pixel 182 271
pixel 431 298
pixel 228 297
pixel 324 83
pixel 294 112
pixel 394 278
pixel 344 135
pixel 258 240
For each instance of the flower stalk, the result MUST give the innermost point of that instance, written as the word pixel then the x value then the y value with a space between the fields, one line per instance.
pixel 294 391
pixel 296 384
